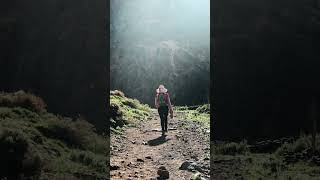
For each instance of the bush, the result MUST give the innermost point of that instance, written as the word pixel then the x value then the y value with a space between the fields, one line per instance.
pixel 125 111
pixel 180 108
pixel 17 157
pixel 132 103
pixel 204 108
pixel 24 100
pixel 273 163
pixel 78 134
pixel 117 93
pixel 97 162
pixel 231 148
pixel 38 145
pixel 303 143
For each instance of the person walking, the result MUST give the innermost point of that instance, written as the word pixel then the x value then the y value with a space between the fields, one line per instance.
pixel 163 104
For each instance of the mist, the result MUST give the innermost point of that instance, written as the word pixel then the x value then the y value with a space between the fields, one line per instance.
pixel 161 42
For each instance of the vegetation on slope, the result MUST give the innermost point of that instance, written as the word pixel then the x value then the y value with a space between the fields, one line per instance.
pixel 126 111
pixel 37 144
pixel 292 160
pixel 199 114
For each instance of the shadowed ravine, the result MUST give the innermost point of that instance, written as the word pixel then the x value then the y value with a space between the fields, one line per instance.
pixel 141 150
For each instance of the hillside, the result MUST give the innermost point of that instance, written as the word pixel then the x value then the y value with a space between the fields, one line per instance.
pixel 281 159
pixel 153 43
pixel 57 50
pixel 139 151
pixel 37 144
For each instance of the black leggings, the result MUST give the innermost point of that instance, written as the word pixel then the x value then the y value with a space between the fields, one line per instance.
pixel 163 113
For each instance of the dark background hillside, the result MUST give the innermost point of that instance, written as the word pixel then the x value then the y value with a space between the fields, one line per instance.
pixel 266 67
pixel 58 51
pixel 156 42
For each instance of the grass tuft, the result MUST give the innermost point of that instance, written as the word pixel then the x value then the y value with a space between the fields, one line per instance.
pixel 231 148
pixel 35 144
pixel 126 111
pixel 22 99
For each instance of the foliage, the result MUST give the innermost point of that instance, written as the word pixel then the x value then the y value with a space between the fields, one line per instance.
pixel 264 166
pixel 98 162
pixel 126 110
pixel 180 108
pixel 37 145
pixel 117 93
pixel 77 134
pixel 22 99
pixel 204 109
pixel 303 143
pixel 17 155
pixel 199 114
pixel 231 148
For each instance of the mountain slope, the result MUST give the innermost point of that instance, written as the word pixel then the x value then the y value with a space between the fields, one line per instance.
pixel 37 144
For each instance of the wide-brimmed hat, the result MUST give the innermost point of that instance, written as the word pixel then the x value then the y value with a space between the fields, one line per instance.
pixel 161 89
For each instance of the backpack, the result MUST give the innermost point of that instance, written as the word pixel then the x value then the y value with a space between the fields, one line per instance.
pixel 162 99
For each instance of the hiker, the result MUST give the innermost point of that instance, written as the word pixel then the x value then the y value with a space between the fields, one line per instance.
pixel 163 104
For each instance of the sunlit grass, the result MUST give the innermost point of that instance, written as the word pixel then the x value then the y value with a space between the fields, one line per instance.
pixel 126 111
pixel 200 114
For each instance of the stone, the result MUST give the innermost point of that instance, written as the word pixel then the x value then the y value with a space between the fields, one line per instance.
pixel 148 157
pixel 140 160
pixel 190 166
pixel 114 167
pixel 163 173
pixel 185 165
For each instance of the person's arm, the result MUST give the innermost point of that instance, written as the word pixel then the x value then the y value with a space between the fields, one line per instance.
pixel 169 104
pixel 156 101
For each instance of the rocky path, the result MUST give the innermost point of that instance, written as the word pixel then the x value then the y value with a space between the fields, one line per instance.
pixel 142 150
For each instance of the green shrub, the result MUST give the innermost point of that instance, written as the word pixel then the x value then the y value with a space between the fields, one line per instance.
pixel 22 99
pixel 273 164
pixel 17 156
pixel 117 93
pixel 98 162
pixel 231 148
pixel 32 164
pixel 124 111
pixel 304 142
pixel 13 141
pixel 78 134
pixel 37 145
pixel 204 108
pixel 133 103
pixel 180 108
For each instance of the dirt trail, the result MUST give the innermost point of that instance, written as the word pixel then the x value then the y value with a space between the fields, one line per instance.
pixel 142 150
